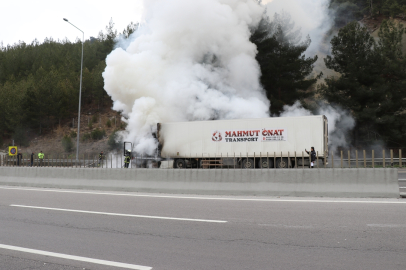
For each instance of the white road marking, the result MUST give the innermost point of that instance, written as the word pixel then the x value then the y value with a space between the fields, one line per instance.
pixel 118 214
pixel 76 258
pixel 209 198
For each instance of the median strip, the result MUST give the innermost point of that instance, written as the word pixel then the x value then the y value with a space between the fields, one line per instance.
pixel 75 258
pixel 118 214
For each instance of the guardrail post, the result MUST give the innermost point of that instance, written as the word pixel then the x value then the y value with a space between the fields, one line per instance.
pixel 332 159
pixel 391 158
pixel 302 160
pixel 373 158
pixel 221 159
pixel 295 161
pixel 317 159
pixel 383 158
pixel 267 160
pixel 288 159
pixel 365 159
pixel 400 158
pixel 274 159
pixel 341 159
pixel 349 159
pixel 356 158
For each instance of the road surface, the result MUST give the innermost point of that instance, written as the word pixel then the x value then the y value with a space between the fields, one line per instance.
pixel 69 229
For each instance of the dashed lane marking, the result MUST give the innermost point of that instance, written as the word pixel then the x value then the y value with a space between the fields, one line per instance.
pixel 118 214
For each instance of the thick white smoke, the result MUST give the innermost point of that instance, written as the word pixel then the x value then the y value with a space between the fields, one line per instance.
pixel 311 16
pixel 340 122
pixel 189 60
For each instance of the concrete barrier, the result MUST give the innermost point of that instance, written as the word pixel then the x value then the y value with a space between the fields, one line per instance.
pixel 378 183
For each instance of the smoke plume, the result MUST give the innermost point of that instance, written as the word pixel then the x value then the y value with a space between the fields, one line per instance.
pixel 340 122
pixel 189 60
pixel 311 16
pixel 193 60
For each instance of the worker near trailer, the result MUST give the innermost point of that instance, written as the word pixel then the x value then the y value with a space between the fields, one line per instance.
pixel 101 156
pixel 41 158
pixel 127 158
pixel 32 158
pixel 19 158
pixel 312 156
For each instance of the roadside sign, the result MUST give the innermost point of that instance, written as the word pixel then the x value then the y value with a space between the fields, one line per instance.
pixel 12 150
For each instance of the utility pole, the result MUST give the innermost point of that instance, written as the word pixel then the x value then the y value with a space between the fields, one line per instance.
pixel 80 89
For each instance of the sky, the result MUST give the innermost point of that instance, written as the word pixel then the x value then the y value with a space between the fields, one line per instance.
pixel 26 20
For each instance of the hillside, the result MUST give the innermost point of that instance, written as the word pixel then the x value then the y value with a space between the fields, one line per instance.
pixel 51 141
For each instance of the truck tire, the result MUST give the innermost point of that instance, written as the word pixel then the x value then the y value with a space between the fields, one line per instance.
pixel 248 163
pixel 282 163
pixel 180 164
pixel 265 163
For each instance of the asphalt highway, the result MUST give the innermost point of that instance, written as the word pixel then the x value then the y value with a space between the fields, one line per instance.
pixel 46 229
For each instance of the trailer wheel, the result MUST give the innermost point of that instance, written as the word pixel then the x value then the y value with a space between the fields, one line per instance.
pixel 248 163
pixel 265 163
pixel 180 164
pixel 282 163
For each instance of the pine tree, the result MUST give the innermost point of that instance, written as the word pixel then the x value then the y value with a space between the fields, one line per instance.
pixel 373 76
pixel 284 67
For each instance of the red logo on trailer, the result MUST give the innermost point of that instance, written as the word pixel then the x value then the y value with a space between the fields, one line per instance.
pixel 217 136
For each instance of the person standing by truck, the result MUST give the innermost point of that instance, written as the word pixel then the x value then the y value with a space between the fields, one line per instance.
pixel 32 159
pixel 41 158
pixel 127 158
pixel 312 156
pixel 101 156
pixel 19 158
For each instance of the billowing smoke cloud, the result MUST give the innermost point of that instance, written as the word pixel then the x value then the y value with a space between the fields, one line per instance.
pixel 311 16
pixel 189 60
pixel 340 122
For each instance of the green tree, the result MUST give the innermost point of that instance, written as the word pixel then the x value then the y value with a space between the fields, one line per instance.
pixel 284 67
pixel 113 141
pixel 67 143
pixel 131 28
pixel 20 136
pixel 373 76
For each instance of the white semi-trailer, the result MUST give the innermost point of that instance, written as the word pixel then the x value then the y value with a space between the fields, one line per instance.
pixel 277 142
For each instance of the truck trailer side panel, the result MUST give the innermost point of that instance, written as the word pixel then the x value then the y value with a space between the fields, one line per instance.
pixel 280 136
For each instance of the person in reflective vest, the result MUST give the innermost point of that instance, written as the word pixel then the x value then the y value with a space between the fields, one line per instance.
pixel 101 156
pixel 41 158
pixel 127 158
